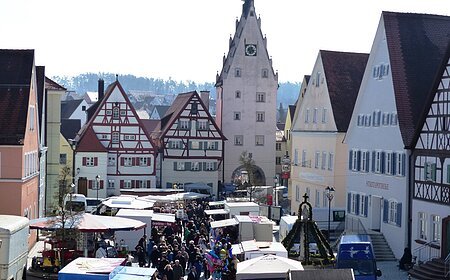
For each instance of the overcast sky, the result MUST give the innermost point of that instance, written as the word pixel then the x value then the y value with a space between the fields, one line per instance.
pixel 186 39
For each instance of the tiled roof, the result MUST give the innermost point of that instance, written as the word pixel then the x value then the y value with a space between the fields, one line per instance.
pixel 89 142
pixel 15 80
pixel 40 91
pixel 70 128
pixel 343 72
pixel 417 44
pixel 68 107
pixel 50 84
pixel 162 109
pixel 292 111
pixel 150 125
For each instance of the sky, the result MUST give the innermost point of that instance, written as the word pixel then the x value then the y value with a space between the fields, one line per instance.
pixel 185 40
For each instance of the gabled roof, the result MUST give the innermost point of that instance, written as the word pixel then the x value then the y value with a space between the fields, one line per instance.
pixel 344 72
pixel 150 125
pixel 16 67
pixel 291 109
pixel 178 105
pixel 417 44
pixel 89 142
pixel 40 92
pixel 68 107
pixel 52 85
pixel 70 128
pixel 161 109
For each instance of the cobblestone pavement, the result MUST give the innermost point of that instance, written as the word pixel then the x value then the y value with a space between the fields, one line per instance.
pixel 390 270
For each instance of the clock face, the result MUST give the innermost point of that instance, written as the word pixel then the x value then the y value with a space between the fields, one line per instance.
pixel 250 50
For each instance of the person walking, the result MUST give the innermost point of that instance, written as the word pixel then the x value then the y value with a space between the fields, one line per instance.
pixel 177 270
pixel 192 274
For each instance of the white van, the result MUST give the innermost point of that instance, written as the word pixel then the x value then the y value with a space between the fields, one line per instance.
pixel 92 203
pixel 14 246
pixel 75 202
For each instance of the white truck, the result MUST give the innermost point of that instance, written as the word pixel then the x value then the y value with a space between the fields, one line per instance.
pixel 13 246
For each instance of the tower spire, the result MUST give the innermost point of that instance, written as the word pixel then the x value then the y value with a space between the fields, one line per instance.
pixel 246 6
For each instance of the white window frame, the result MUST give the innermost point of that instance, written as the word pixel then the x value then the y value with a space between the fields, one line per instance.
pixel 392 211
pixel 353 202
pixel 355 160
pixel 377 168
pixel 32 117
pixel 389 156
pixel 209 166
pixel 435 228
pixel 127 161
pixel 365 158
pixel 203 125
pixel 89 161
pixel 127 184
pixel 261 97
pixel 143 161
pixel 399 163
pixel 238 140
pixel 315 115
pixel 259 140
pixel 330 161
pixel 115 137
pixel 111 184
pixel 115 114
pixel 317 199
pixel 297 193
pixel 175 144
pixel 324 160
pixel 195 166
pixel 362 205
pixel 181 166
pixel 184 124
pixel 316 159
pixel 111 161
pixel 422 225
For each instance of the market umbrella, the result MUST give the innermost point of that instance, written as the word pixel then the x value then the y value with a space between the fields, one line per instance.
pixel 86 222
pixel 128 202
pixel 266 267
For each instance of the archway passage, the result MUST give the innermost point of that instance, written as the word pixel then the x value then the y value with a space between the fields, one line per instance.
pixel 257 179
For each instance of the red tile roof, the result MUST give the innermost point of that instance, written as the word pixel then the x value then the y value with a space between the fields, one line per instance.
pixel 89 142
pixel 417 44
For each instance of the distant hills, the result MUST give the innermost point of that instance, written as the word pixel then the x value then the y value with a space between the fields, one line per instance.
pixel 287 91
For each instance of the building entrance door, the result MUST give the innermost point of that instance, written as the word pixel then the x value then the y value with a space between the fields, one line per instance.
pixel 375 214
pixel 445 237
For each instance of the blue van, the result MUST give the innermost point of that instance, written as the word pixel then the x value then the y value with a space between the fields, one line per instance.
pixel 356 252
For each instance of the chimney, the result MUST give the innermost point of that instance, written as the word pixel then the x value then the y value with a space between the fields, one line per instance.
pixel 101 89
pixel 204 95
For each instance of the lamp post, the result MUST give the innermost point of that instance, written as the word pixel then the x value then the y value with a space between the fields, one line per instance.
pixel 97 185
pixel 330 195
pixel 275 183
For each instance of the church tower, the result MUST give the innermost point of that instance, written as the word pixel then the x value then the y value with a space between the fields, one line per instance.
pixel 247 99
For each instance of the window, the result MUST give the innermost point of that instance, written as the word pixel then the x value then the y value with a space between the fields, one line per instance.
pixel 144 161
pixel 108 112
pixel 278 146
pixel 354 160
pixel 316 160
pixel 62 158
pixel 32 117
pixel 105 136
pixel 83 108
pixel 360 121
pixel 115 112
pixel 376 118
pixel 315 115
pixel 195 166
pixel 378 161
pixel 363 199
pixel 324 115
pixel 202 125
pixel 194 108
pixel 278 160
pixel 324 160
pixel 394 119
pixel 385 119
pixel 110 184
pixel 210 166
pixel 111 161
pixel 211 145
pixel 237 72
pixel 195 145
pixel 389 163
pixel 295 157
pixel 237 94
pixel 237 115
pixel 265 73
pixel 317 79
pixel 140 184
pixel 179 166
pixel 127 161
pixel 175 144
pixel 260 97
pixel 430 172
pixel 367 120
pixel 90 161
pixel 115 138
pixel 422 226
pixel 238 140
pixel 365 159
pixel 123 112
pixel 400 164
pixel 259 140
pixel 307 115
pixel 317 200
pixel 380 71
pixel 330 161
pixel 127 184
pixel 129 137
pixel 183 124
pixel 260 116
pixel 392 217
pixel 354 203
pixel 303 158
pixel 297 193
pixel 435 228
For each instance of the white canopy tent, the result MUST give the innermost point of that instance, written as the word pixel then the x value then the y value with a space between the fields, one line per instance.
pixel 266 267
pixel 128 202
pixel 224 223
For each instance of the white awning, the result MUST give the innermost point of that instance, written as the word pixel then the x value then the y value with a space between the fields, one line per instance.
pixel 217 212
pixel 160 219
pixel 216 203
pixel 224 223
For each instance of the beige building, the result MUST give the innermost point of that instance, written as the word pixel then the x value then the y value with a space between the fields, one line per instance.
pixel 246 100
pixel 319 155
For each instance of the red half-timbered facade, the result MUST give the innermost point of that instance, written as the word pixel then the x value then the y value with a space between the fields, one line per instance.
pixel 431 179
pixel 114 151
pixel 190 143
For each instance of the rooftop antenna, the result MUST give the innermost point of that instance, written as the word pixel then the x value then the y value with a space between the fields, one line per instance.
pixel 117 77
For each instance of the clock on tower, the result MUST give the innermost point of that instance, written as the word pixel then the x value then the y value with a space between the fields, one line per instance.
pixel 250 50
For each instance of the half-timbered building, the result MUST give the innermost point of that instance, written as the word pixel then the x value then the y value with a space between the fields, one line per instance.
pixel 190 143
pixel 431 166
pixel 405 56
pixel 114 150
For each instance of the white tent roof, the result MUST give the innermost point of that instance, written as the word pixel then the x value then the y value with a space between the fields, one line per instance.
pixel 163 217
pixel 268 266
pixel 217 212
pixel 224 223
pixel 128 201
pixel 134 213
pixel 216 203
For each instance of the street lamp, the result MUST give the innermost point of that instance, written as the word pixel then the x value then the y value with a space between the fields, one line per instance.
pixel 97 179
pixel 329 192
pixel 275 183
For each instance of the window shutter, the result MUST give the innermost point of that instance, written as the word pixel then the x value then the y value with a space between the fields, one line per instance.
pixel 373 161
pixel 133 161
pixel 149 184
pixel 357 204
pixel 367 161
pixel 385 210
pixel 350 160
pixel 215 165
pixel 216 145
pixel 366 205
pixel 349 202
pixel 204 166
pixel 121 184
pixel 175 166
pixel 90 184
pixel 399 214
pixel 101 184
pixel 169 144
pixel 358 164
pixel 394 163
pixel 133 184
pixel 148 161
pixel 122 161
pixel 187 166
pixel 84 161
pixel 383 156
pixel 404 164
pixel 200 145
pixel 95 161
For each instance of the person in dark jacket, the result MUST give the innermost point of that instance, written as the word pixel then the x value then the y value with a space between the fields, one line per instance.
pixel 192 274
pixel 406 260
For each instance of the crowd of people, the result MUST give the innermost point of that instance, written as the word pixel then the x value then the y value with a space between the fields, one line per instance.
pixel 189 247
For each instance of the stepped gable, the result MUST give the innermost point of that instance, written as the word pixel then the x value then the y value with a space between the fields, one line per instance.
pixel 344 72
pixel 16 67
pixel 416 45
